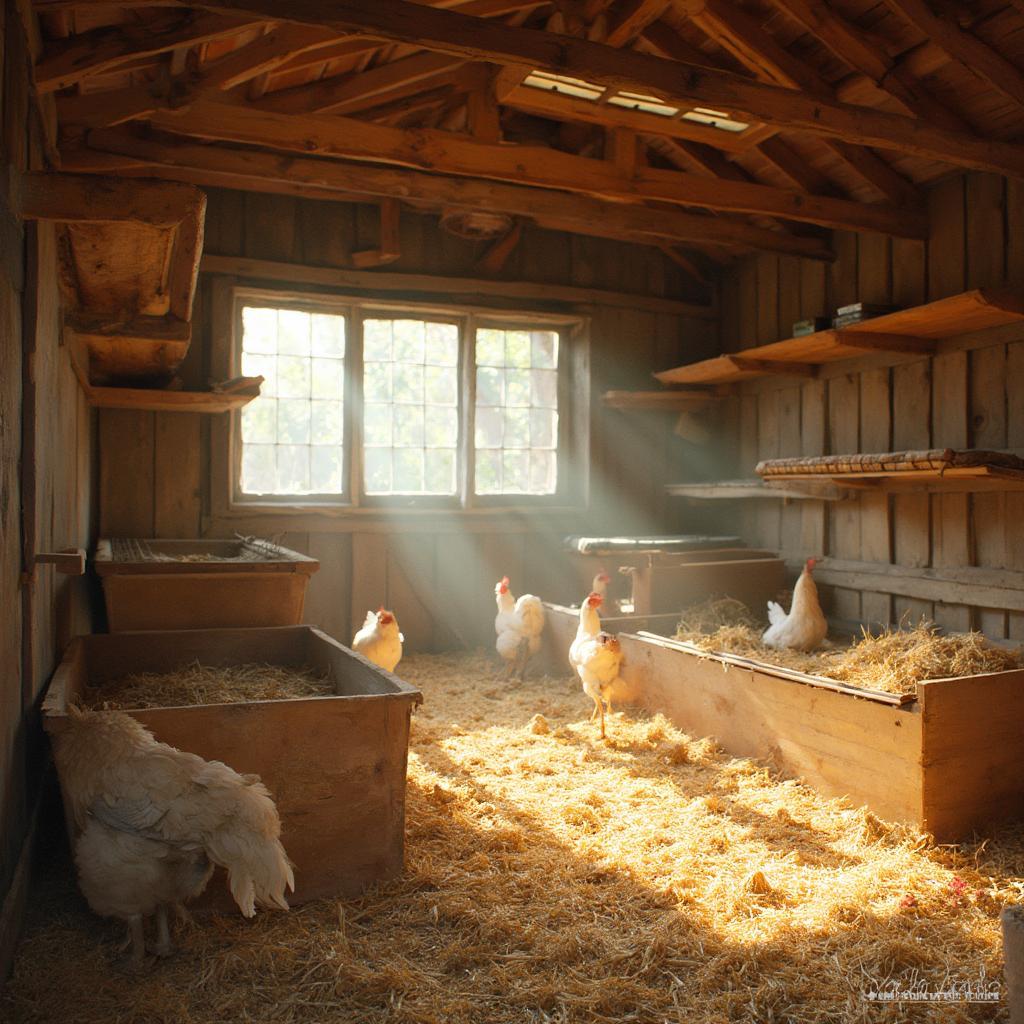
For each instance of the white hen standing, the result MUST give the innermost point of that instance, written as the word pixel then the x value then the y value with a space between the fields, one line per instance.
pixel 155 820
pixel 804 628
pixel 380 639
pixel 599 659
pixel 518 625
pixel 590 625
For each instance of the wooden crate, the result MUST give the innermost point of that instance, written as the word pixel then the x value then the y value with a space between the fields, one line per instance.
pixel 336 766
pixel 142 592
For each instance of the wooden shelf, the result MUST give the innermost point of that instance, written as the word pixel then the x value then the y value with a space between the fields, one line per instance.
pixel 965 480
pixel 157 400
pixel 719 490
pixel 669 401
pixel 910 330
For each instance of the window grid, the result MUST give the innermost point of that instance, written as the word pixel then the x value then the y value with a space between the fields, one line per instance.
pixel 516 411
pixel 293 433
pixel 410 406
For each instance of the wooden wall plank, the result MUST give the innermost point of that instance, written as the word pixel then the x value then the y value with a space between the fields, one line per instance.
pixel 874 276
pixel 844 516
pixel 126 473
pixel 369 576
pixel 876 536
pixel 908 272
pixel 328 599
pixel 768 300
pixel 791 302
pixel 986 248
pixel 946 241
pixel 177 472
pixel 813 441
pixel 789 445
pixel 768 514
pixel 843 271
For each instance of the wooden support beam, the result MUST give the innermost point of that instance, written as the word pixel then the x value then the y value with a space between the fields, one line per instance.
pixel 970 51
pixel 446 153
pixel 621 150
pixel 851 46
pixel 266 172
pixel 637 15
pixel 677 83
pixel 482 113
pixel 430 284
pixel 389 247
pixel 67 62
pixel 83 199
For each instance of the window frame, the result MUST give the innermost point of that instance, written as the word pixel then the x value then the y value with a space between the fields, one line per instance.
pixel 571 494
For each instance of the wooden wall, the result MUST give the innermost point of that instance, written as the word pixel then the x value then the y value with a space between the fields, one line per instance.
pixel 969 395
pixel 437 572
pixel 46 452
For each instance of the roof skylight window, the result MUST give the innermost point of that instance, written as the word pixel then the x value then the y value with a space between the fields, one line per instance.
pixel 715 119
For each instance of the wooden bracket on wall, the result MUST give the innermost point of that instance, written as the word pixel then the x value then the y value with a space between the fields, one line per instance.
pixel 389 248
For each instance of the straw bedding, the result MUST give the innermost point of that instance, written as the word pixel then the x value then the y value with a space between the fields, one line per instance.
pixel 551 877
pixel 204 684
pixel 894 661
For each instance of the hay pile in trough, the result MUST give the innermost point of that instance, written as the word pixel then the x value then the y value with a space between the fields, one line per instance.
pixel 894 661
pixel 551 877
pixel 205 684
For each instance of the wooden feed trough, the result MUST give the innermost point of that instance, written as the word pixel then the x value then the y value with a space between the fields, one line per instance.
pixel 335 765
pixel 949 761
pixel 201 584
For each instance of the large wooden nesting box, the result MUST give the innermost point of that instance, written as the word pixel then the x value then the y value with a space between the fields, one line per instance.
pixel 335 765
pixel 670 582
pixel 201 584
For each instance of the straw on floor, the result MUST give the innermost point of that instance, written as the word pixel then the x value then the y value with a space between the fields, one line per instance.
pixel 552 877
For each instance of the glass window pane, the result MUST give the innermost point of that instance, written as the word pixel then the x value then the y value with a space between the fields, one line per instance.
pixel 377 470
pixel 327 423
pixel 291 434
pixel 516 414
pixel 325 470
pixel 410 390
pixel 293 331
pixel 328 335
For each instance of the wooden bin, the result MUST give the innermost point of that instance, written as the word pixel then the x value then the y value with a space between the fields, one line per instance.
pixel 148 585
pixel 335 765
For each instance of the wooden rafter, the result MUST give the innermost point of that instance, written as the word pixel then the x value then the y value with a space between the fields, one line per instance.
pixel 677 83
pixel 634 19
pixel 69 61
pixel 849 44
pixel 970 51
pixel 253 171
pixel 536 166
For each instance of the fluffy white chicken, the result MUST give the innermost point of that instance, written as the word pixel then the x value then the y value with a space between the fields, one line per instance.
pixel 518 625
pixel 804 628
pixel 590 626
pixel 380 640
pixel 155 820
pixel 598 660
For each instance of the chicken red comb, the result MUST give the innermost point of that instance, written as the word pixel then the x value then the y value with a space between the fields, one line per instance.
pixel 594 599
pixel 811 563
pixel 385 616
pixel 604 577
pixel 503 585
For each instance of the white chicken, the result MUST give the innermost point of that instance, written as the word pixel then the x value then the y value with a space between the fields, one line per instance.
pixel 598 661
pixel 804 628
pixel 590 625
pixel 518 625
pixel 155 820
pixel 380 639
pixel 600 583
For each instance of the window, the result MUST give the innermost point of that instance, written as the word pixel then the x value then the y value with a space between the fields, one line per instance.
pixel 366 405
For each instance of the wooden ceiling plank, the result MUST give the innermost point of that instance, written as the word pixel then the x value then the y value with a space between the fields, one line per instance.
pixel 763 55
pixel 970 51
pixel 537 166
pixel 850 45
pixel 253 171
pixel 70 61
pixel 329 94
pixel 678 83
pixel 792 165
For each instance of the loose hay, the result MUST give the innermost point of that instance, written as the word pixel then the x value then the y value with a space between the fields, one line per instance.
pixel 203 684
pixel 550 877
pixel 894 661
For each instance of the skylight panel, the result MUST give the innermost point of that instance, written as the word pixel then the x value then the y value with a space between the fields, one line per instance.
pixel 563 84
pixel 715 119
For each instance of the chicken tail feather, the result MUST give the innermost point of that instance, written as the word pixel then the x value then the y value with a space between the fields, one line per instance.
pixel 775 613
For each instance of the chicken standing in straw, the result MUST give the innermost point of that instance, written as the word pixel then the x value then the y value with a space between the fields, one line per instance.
pixel 380 639
pixel 155 821
pixel 518 625
pixel 804 628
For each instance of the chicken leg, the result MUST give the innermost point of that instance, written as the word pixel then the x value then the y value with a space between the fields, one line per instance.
pixel 163 945
pixel 138 940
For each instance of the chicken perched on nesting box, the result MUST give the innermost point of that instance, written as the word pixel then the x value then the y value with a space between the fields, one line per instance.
pixel 804 628
pixel 155 820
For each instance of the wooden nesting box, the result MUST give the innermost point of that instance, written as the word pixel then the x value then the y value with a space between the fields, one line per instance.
pixel 335 765
pixel 670 582
pixel 201 584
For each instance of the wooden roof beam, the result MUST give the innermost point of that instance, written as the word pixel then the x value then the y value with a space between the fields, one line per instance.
pixel 849 44
pixel 970 51
pixel 678 83
pixel 72 60
pixel 268 172
pixel 634 19
pixel 447 153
